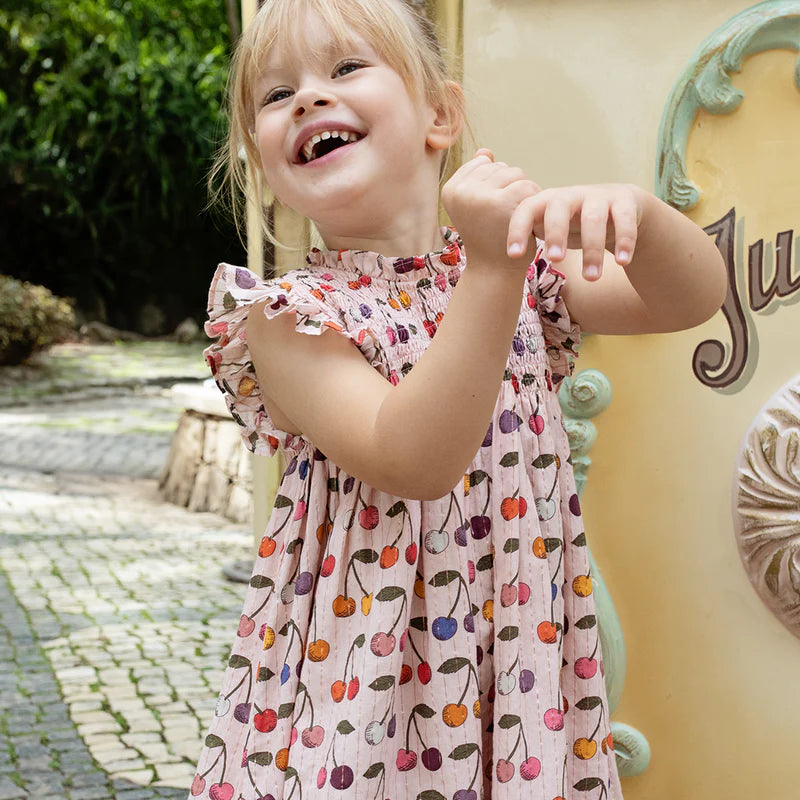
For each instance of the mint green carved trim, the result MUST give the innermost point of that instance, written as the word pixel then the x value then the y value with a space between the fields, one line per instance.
pixel 705 83
pixel 581 398
pixel 631 748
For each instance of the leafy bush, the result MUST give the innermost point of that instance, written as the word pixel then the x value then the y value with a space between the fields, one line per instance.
pixel 109 115
pixel 31 318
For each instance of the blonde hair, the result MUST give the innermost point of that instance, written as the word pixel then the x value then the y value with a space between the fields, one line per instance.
pixel 399 29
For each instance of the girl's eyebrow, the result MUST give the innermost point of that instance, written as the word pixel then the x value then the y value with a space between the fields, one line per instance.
pixel 331 49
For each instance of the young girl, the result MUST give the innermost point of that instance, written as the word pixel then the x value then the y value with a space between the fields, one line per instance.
pixel 420 621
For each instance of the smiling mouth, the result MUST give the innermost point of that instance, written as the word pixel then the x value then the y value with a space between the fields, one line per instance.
pixel 321 144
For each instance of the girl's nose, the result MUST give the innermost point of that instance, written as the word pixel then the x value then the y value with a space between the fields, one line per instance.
pixel 308 98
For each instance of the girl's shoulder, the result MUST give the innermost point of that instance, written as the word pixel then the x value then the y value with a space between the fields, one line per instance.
pixel 235 292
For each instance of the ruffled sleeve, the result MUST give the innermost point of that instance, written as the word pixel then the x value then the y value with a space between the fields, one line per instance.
pixel 233 291
pixel 562 336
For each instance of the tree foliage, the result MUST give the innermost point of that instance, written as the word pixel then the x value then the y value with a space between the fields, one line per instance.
pixel 110 111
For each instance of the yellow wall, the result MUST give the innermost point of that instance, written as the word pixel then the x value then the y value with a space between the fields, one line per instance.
pixel 573 91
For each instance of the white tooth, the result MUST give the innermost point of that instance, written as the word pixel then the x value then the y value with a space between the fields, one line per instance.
pixel 326 135
pixel 316 138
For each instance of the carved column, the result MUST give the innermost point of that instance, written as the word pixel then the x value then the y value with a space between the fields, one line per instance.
pixel 581 398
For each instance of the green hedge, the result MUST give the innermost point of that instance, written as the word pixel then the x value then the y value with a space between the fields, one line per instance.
pixel 31 318
pixel 109 116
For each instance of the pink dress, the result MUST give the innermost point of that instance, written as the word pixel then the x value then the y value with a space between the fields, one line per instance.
pixel 392 648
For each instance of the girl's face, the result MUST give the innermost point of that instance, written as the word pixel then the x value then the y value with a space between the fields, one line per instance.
pixel 310 88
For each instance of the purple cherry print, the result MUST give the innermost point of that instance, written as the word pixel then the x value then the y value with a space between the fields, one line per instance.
pixel 342 777
pixel 508 421
pixel 304 582
pixel 244 279
pixel 526 680
pixel 432 758
pixel 481 526
pixel 461 534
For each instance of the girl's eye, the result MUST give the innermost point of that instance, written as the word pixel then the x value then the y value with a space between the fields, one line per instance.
pixel 276 95
pixel 347 67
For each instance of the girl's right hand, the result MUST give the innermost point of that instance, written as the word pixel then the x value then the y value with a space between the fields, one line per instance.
pixel 480 199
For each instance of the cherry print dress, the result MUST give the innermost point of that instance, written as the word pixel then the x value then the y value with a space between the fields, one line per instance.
pixel 393 649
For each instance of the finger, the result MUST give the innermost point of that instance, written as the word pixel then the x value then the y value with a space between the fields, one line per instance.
pixel 482 158
pixel 501 175
pixel 557 216
pixel 522 189
pixel 520 225
pixel 626 230
pixel 594 222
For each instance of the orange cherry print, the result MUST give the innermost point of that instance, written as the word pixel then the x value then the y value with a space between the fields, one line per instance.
pixel 547 632
pixel 344 606
pixel 318 650
pixel 454 714
pixel 584 748
pixel 582 585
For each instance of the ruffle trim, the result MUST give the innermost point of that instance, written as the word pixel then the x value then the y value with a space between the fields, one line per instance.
pixel 366 262
pixel 233 291
pixel 562 336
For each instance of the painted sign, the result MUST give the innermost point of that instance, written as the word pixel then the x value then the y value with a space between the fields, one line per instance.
pixel 762 285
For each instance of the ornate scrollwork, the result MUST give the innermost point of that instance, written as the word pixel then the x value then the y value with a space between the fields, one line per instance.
pixel 766 501
pixel 706 83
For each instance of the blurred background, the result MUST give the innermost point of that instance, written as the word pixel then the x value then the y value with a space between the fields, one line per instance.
pixel 110 111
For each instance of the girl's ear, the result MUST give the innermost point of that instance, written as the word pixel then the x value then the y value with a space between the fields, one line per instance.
pixel 446 126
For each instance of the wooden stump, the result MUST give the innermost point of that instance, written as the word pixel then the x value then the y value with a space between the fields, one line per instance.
pixel 207 468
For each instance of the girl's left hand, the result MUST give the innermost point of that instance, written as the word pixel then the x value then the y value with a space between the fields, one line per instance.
pixel 592 218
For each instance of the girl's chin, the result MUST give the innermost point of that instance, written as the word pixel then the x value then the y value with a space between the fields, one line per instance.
pixel 343 206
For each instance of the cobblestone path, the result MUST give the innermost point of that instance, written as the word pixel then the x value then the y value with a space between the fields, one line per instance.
pixel 115 619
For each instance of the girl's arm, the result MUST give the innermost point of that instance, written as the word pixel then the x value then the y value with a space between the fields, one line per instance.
pixel 414 440
pixel 667 274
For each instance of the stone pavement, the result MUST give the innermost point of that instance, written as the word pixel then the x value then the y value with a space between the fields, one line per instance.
pixel 115 619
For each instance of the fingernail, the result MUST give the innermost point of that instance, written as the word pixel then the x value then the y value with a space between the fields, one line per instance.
pixel 515 249
pixel 554 252
pixel 623 255
pixel 591 271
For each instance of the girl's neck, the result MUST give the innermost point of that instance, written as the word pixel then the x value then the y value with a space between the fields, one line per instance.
pixel 415 232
